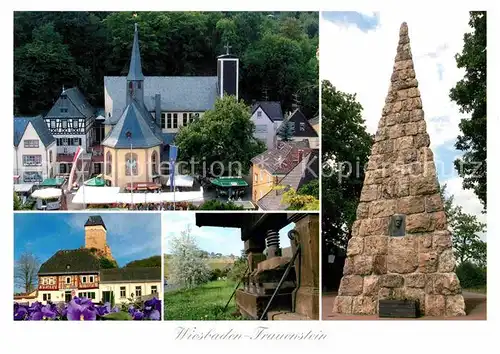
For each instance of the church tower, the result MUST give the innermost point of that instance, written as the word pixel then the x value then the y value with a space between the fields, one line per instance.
pixel 135 78
pixel 95 236
pixel 227 74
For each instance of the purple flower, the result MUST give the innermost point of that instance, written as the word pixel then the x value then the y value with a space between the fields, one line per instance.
pixel 137 315
pixel 20 312
pixel 154 315
pixel 43 313
pixel 104 309
pixel 81 310
pixel 115 309
pixel 152 304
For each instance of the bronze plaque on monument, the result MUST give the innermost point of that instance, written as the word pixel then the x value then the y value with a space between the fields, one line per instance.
pixel 397 226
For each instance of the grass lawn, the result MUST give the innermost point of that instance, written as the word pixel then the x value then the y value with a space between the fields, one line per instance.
pixel 481 290
pixel 205 302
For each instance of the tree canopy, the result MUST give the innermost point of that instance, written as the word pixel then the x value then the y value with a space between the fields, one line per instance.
pixel 470 95
pixel 154 261
pixel 345 150
pixel 52 49
pixel 222 143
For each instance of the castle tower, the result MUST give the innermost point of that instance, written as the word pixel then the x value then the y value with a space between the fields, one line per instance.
pixel 135 78
pixel 227 74
pixel 401 247
pixel 95 235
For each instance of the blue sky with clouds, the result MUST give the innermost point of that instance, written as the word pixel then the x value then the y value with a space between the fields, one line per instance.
pixel 130 236
pixel 211 239
pixel 357 51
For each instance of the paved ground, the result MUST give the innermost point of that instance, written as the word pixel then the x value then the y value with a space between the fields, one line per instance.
pixel 475 304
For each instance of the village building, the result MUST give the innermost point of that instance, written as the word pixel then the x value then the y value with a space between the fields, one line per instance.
pixel 34 150
pixel 80 273
pixel 315 123
pixel 144 114
pixel 267 117
pixel 301 128
pixel 290 165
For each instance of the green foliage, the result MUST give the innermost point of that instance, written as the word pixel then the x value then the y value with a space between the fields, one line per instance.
pixel 94 44
pixel 310 188
pixel 224 136
pixel 345 150
pixel 219 205
pixel 297 201
pixel 154 261
pixel 471 275
pixel 17 202
pixel 465 229
pixel 470 95
pixel 106 263
pixel 286 131
pixel 238 270
pixel 117 316
pixel 205 302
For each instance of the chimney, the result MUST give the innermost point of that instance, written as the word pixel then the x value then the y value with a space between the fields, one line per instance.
pixel 158 109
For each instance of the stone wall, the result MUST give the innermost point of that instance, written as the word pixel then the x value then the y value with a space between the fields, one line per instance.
pixel 401 179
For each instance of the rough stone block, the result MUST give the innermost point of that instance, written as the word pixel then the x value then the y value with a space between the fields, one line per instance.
pixel 421 222
pixel 441 241
pixel 379 264
pixel 435 305
pixel 428 262
pixel 362 211
pixel 439 220
pixel 447 261
pixel 402 256
pixel 391 281
pixel 415 280
pixel 425 154
pixel 411 205
pixel 423 185
pixel 405 142
pixel 421 140
pixel 375 245
pixel 371 285
pixel 424 242
pixel 433 203
pixel 446 284
pixel 364 305
pixel 421 127
pixel 355 246
pixel 407 156
pixel 396 131
pixel 369 192
pixel 342 305
pixel 348 266
pixel 377 226
pixel 351 285
pixel 382 208
pixel 416 295
pixel 416 115
pixel 355 228
pixel 455 305
pixel 362 264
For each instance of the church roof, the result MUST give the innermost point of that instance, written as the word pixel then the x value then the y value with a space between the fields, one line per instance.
pixel 76 104
pixel 127 274
pixel 70 262
pixel 95 220
pixel 271 108
pixel 20 124
pixel 135 70
pixel 141 126
pixel 178 93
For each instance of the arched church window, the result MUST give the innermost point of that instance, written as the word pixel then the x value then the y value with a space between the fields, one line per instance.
pixel 108 163
pixel 131 164
pixel 139 85
pixel 130 86
pixel 154 163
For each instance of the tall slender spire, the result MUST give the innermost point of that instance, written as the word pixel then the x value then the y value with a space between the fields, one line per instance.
pixel 135 71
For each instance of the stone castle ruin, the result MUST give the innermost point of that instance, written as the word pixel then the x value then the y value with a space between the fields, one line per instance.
pixel 401 247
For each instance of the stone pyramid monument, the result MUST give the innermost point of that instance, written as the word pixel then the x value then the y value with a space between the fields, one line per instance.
pixel 401 247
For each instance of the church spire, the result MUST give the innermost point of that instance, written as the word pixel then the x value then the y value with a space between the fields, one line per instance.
pixel 135 70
